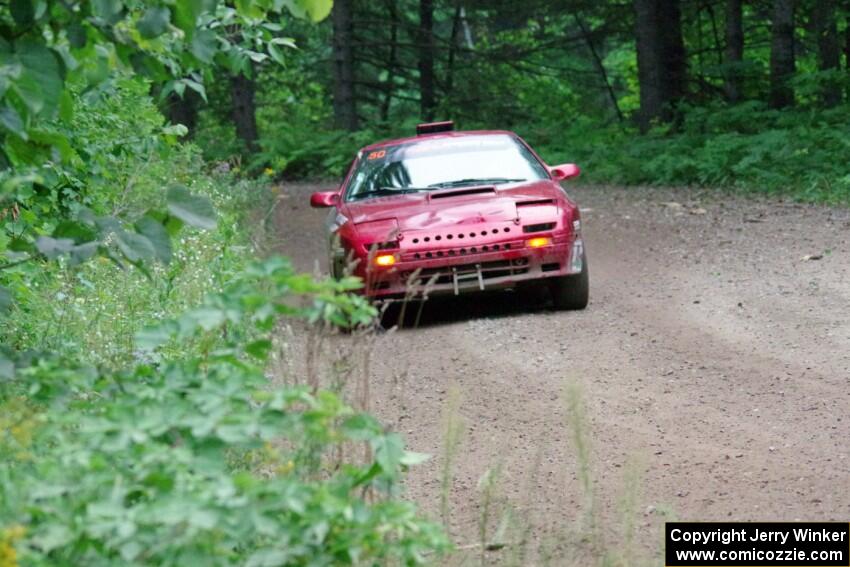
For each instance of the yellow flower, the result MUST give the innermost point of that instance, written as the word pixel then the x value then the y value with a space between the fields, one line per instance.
pixel 268 171
pixel 8 554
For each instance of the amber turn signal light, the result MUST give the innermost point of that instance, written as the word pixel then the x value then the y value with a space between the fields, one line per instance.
pixel 539 242
pixel 385 260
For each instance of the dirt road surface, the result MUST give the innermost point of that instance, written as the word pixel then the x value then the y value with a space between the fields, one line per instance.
pixel 712 361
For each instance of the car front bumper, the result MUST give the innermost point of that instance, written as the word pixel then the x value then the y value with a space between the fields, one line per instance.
pixel 495 266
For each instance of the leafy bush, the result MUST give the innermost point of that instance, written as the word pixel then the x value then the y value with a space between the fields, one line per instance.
pixel 121 468
pixel 171 448
pixel 800 153
pixel 69 306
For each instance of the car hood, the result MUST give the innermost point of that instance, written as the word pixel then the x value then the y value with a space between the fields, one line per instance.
pixel 453 207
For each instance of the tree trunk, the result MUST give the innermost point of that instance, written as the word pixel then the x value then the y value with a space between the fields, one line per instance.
pixel 649 62
pixel 426 59
pixel 847 52
pixel 734 49
pixel 674 61
pixel 661 59
pixel 453 43
pixel 782 63
pixel 345 101
pixel 183 110
pixel 391 63
pixel 829 50
pixel 242 90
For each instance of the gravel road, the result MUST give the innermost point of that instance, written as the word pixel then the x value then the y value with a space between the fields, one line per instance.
pixel 712 363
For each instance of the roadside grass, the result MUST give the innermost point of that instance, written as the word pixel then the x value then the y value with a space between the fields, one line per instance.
pixel 140 425
pixel 580 536
pixel 344 458
pixel 93 311
pixel 504 531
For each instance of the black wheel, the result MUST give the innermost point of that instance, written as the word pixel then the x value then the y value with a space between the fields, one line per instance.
pixel 571 292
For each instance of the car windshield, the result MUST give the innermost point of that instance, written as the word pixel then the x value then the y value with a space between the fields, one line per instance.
pixel 442 163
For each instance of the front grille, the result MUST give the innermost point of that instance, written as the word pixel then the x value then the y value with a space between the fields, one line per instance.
pixel 445 274
pixel 464 251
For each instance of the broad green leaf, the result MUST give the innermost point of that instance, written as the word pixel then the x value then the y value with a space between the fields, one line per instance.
pixel 284 41
pixel 249 9
pixel 178 87
pixel 21 245
pixel 257 57
pixel 197 87
pixel 56 140
pixel 55 536
pixel 194 210
pixel 12 121
pixel 389 450
pixel 276 54
pixel 158 237
pixel 84 252
pixel 153 336
pixel 53 247
pixel 361 427
pixel 40 84
pixel 79 232
pixel 154 22
pixel 204 45
pixel 29 91
pixel 107 10
pixel 315 10
pixel 186 14
pixel 134 246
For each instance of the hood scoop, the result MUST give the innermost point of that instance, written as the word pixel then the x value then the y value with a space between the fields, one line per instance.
pixel 535 203
pixel 462 192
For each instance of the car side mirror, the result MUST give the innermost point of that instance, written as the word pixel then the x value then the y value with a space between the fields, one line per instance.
pixel 564 171
pixel 324 199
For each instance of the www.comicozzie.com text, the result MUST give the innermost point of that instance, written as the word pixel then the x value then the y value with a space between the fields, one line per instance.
pixel 744 534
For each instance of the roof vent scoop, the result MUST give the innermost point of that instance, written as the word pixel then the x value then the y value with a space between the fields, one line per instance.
pixel 435 127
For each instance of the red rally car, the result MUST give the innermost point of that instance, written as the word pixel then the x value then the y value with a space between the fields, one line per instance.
pixel 450 212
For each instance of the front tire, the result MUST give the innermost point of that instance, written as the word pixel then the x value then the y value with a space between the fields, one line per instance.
pixel 571 292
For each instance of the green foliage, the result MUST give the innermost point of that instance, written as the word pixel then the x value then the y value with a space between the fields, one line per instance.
pixel 55 58
pixel 141 466
pixel 164 446
pixel 798 153
pixel 567 81
pixel 116 206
